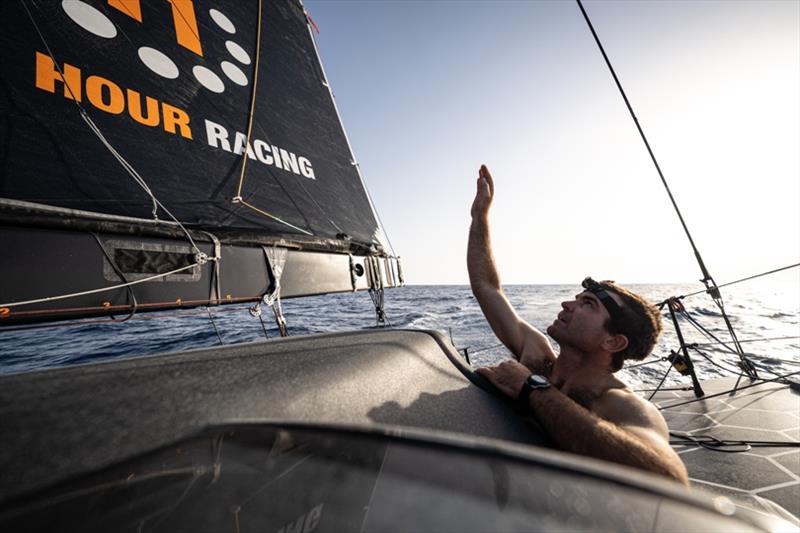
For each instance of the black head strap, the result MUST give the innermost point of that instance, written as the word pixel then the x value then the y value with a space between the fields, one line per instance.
pixel 617 317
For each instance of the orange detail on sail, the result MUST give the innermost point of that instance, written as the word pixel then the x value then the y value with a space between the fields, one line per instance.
pixel 47 75
pixel 151 117
pixel 186 25
pixel 176 119
pixel 132 8
pixel 115 103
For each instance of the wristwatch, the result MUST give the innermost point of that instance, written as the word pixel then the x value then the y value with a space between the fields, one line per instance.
pixel 534 381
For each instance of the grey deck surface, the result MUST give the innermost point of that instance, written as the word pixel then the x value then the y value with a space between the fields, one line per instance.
pixel 767 412
pixel 58 423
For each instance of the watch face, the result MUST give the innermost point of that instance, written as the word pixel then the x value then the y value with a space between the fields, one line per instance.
pixel 538 381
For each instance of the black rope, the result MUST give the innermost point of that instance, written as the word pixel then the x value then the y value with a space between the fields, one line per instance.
pixel 711 442
pixel 479 350
pixel 706 332
pixel 644 138
pixel 708 358
pixel 744 363
pixel 658 388
pixel 758 382
pixel 708 281
pixel 764 339
pixel 465 349
pixel 381 320
pixel 741 280
pixel 208 310
pixel 263 327
pixel 131 296
pixel 735 372
pixel 784 361
pixel 659 360
pixel 665 389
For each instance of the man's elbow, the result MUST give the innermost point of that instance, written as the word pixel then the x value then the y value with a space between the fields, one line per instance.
pixel 679 473
pixel 673 469
pixel 477 287
pixel 484 290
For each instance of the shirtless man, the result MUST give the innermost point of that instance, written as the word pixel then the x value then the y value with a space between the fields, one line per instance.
pixel 587 410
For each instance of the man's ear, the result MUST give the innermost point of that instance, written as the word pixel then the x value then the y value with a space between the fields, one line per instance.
pixel 615 343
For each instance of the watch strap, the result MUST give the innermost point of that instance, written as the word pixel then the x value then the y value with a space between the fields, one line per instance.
pixel 524 395
pixel 531 383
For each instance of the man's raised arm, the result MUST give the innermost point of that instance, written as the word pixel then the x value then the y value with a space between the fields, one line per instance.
pixel 527 344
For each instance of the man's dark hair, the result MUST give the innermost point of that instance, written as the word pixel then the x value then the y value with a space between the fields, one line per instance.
pixel 642 325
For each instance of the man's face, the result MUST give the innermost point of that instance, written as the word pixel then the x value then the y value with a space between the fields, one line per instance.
pixel 581 322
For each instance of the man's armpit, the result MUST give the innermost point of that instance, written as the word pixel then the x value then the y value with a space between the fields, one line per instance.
pixel 537 353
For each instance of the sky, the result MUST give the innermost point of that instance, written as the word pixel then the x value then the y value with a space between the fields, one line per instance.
pixel 430 90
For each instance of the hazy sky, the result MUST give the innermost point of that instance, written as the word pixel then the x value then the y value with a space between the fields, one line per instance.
pixel 430 90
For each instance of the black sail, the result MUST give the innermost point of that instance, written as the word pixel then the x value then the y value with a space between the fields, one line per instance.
pixel 126 116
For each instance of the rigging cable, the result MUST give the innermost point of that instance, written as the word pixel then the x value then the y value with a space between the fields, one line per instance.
pixel 211 317
pixel 131 295
pixel 659 360
pixel 663 379
pixel 161 315
pixel 708 281
pixel 479 350
pixel 376 292
pixel 245 151
pixel 353 161
pixel 102 289
pixel 712 443
pixel 756 384
pixel 708 358
pixel 703 330
pixel 764 339
pixel 263 326
pixel 257 64
pixel 741 280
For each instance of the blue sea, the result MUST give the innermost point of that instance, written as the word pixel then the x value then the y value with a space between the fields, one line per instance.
pixel 758 312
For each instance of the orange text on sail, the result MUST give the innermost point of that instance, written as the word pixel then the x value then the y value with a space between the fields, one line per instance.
pixel 109 97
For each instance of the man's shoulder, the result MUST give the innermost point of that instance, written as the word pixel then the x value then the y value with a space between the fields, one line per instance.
pixel 621 396
pixel 625 407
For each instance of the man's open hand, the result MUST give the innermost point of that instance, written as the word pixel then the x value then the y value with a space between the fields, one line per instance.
pixel 484 194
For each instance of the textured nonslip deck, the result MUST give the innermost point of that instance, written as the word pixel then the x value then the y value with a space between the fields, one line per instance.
pixel 765 412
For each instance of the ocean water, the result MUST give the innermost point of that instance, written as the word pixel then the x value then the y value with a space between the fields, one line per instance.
pixel 758 311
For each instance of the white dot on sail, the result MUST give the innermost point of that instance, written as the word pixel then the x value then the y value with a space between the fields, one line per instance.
pixel 208 79
pixel 89 18
pixel 237 52
pixel 234 73
pixel 222 21
pixel 158 62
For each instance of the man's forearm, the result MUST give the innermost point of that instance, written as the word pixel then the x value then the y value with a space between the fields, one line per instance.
pixel 575 429
pixel 480 261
